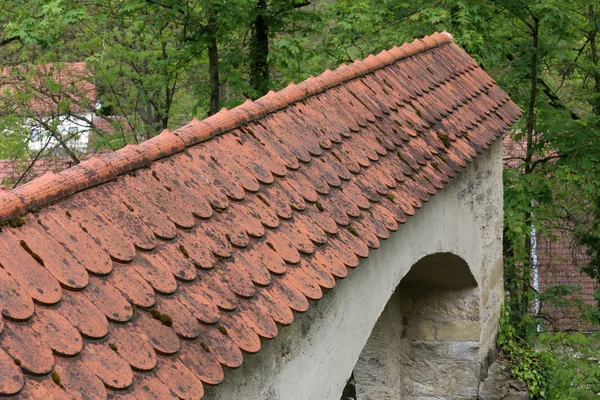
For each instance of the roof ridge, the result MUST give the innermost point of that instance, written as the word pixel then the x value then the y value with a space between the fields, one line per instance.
pixel 99 169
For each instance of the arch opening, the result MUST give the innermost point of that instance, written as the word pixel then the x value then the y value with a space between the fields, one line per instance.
pixel 426 342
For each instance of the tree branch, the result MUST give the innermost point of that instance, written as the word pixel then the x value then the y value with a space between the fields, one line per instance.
pixel 37 156
pixel 9 40
pixel 554 100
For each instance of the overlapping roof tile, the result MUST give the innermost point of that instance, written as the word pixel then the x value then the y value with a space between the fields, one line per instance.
pixel 143 273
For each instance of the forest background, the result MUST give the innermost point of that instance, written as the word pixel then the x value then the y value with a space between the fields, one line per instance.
pixel 156 64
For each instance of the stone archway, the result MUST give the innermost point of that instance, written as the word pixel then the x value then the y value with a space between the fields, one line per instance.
pixel 426 343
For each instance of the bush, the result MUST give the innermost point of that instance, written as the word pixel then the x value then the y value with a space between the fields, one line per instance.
pixel 561 366
pixel 526 364
pixel 574 371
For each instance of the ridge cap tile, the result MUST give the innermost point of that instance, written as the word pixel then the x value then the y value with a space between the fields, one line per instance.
pixel 178 255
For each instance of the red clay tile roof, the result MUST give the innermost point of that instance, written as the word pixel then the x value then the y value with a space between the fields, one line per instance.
pixel 164 262
pixel 75 78
pixel 11 170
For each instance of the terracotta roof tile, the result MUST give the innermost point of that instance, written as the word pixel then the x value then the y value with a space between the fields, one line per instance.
pixel 57 332
pixel 161 263
pixel 31 79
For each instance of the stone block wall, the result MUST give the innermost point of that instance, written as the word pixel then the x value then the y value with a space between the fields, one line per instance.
pixel 426 343
pixel 440 349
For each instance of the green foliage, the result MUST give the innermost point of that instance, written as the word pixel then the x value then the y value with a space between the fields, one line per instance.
pixel 574 369
pixel 525 363
pixel 560 366
pixel 13 136
pixel 40 22
pixel 591 239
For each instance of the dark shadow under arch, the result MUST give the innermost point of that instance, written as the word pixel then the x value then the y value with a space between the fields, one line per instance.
pixel 440 269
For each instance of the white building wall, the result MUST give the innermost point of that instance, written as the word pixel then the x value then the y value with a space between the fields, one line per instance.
pixel 67 127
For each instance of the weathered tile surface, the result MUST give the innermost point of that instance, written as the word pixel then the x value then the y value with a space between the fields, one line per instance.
pixel 147 270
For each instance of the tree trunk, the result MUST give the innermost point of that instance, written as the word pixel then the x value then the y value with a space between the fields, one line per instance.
pixel 64 145
pixel 213 66
pixel 595 58
pixel 163 115
pixel 530 131
pixel 61 141
pixel 511 280
pixel 259 52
